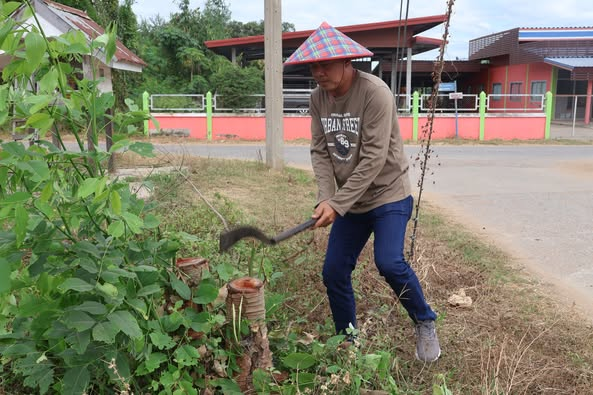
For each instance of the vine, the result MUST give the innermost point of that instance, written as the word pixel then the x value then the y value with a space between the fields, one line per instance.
pixel 427 130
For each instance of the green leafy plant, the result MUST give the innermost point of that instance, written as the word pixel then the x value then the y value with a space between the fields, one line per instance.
pixel 441 388
pixel 329 367
pixel 236 86
pixel 90 299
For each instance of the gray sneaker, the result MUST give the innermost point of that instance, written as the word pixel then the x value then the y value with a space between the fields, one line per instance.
pixel 427 342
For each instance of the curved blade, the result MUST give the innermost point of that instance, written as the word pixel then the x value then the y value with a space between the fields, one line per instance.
pixel 228 239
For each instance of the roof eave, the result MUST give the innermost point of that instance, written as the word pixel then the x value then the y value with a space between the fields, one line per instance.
pixel 126 66
pixel 436 19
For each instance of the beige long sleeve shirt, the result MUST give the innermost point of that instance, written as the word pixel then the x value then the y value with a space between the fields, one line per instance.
pixel 356 147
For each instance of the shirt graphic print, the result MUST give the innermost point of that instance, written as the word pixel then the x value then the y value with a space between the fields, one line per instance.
pixel 342 132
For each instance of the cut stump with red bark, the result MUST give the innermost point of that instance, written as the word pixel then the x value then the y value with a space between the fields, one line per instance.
pixel 245 299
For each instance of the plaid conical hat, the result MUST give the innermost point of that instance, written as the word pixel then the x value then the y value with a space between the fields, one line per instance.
pixel 327 43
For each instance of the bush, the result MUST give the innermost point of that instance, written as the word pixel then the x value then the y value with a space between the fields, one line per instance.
pixel 90 298
pixel 237 84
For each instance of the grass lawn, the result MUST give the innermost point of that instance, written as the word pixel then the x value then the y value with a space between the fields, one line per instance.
pixel 513 339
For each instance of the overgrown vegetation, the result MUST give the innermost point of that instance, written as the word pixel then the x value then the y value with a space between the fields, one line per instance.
pixel 91 300
pixel 83 269
pixel 513 339
pixel 179 62
pixel 173 46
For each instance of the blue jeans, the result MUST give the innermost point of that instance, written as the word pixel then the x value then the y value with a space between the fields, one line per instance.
pixel 347 238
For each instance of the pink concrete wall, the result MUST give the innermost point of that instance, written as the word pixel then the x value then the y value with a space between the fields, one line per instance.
pixel 541 72
pixel 405 127
pixel 246 127
pixel 510 128
pixel 297 127
pixel 253 127
pixel 517 74
pixel 224 127
pixel 195 123
pixel 497 75
pixel 444 127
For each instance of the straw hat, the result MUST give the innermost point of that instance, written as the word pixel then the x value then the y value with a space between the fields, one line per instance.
pixel 327 43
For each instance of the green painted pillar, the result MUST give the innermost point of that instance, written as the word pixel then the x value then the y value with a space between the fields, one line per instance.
pixel 549 108
pixel 146 109
pixel 415 111
pixel 554 88
pixel 482 115
pixel 209 115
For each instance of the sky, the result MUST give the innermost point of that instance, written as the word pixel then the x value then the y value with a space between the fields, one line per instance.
pixel 470 19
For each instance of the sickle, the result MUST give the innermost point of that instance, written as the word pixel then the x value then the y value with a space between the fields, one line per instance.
pixel 228 239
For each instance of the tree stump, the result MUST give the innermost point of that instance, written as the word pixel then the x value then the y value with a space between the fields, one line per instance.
pixel 245 299
pixel 191 273
pixel 192 268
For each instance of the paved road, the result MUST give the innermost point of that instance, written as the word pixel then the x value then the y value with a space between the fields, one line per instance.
pixel 534 201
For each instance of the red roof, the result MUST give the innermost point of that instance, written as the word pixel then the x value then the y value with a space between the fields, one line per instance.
pixel 379 37
pixel 92 29
pixel 304 34
pixel 427 40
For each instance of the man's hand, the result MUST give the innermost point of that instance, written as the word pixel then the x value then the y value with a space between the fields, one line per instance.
pixel 325 215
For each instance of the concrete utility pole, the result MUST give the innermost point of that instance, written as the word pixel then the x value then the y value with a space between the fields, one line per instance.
pixel 273 76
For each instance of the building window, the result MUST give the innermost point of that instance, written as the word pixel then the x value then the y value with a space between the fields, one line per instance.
pixel 516 90
pixel 537 88
pixel 496 90
pixel 101 72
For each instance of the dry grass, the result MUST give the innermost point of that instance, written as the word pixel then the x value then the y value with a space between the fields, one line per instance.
pixel 515 339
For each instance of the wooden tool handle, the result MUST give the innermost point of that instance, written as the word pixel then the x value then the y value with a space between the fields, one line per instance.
pixel 293 231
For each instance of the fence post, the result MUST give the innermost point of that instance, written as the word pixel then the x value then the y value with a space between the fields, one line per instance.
pixel 209 115
pixel 415 110
pixel 482 114
pixel 548 114
pixel 146 110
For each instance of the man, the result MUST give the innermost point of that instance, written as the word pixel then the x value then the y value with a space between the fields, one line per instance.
pixel 362 176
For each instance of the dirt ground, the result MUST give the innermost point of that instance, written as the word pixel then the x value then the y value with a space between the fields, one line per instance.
pixel 515 338
pixel 559 290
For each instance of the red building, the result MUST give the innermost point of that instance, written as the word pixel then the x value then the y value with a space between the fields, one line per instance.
pixel 515 68
pixel 533 61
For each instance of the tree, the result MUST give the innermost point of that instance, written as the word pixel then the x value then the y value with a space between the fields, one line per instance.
pixel 107 11
pixel 235 84
pixel 174 50
pixel 240 29
pixel 194 59
pixel 189 21
pixel 127 32
pixel 288 27
pixel 83 5
pixel 127 25
pixel 216 17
